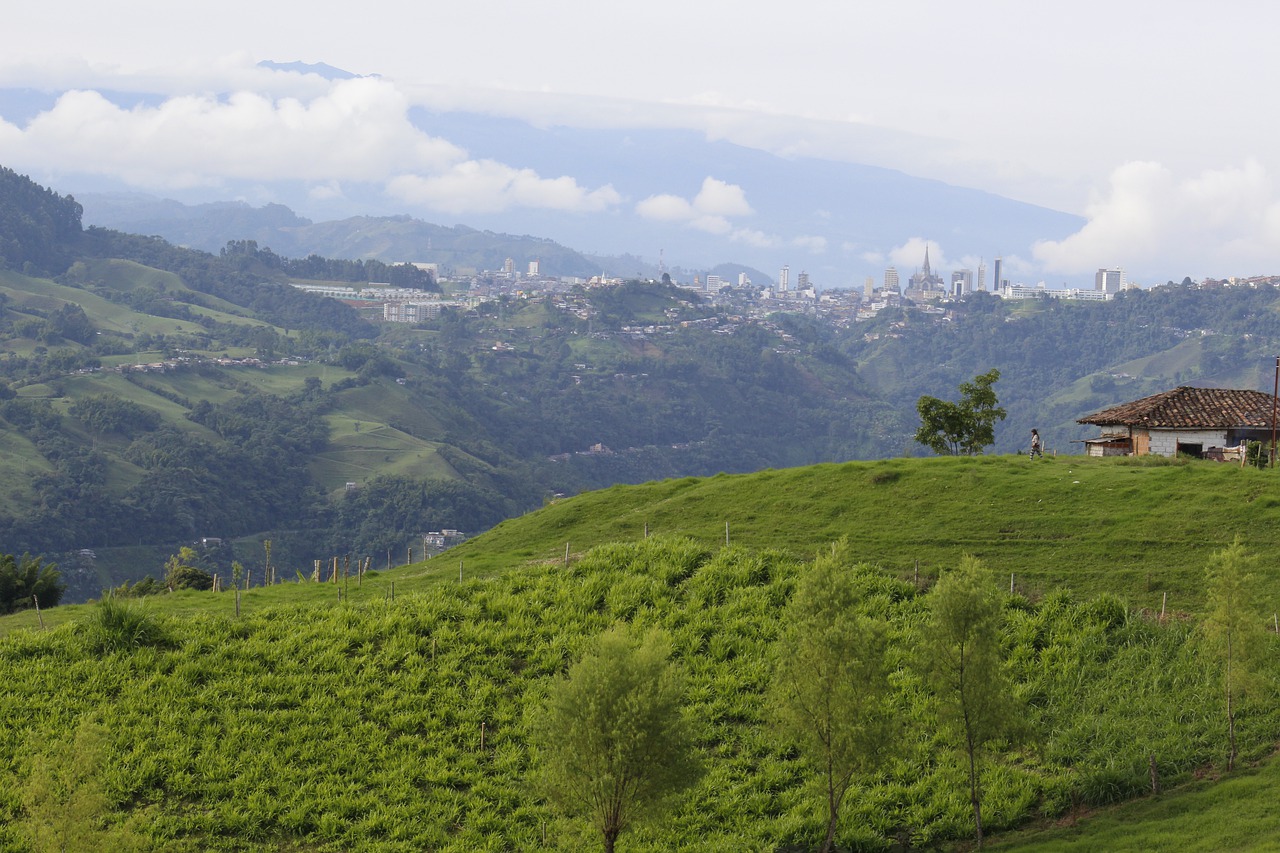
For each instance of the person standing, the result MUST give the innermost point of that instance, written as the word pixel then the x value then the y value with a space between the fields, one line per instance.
pixel 1036 449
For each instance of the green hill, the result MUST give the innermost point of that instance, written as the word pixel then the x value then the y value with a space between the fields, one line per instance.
pixel 391 713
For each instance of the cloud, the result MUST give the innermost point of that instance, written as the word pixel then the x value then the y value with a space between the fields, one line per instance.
pixel 910 255
pixel 1220 222
pixel 710 210
pixel 486 186
pixel 812 242
pixel 754 238
pixel 355 131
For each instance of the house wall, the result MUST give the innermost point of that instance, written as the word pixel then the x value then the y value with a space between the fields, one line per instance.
pixel 1165 442
pixel 1141 442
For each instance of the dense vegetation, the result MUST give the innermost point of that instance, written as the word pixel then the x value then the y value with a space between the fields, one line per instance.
pixel 339 717
pixel 403 725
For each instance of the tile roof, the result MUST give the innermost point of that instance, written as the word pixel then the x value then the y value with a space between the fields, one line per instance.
pixel 1190 408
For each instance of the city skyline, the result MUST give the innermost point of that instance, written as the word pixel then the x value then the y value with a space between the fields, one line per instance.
pixel 1183 179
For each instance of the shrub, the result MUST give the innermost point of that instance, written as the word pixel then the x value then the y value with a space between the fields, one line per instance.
pixel 118 626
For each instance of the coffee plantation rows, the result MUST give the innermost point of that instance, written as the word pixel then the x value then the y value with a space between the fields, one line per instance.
pixel 401 725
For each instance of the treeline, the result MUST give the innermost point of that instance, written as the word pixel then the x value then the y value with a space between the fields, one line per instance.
pixel 273 301
pixel 1044 346
pixel 38 227
pixel 246 252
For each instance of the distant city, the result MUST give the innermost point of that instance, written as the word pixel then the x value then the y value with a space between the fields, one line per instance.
pixel 924 288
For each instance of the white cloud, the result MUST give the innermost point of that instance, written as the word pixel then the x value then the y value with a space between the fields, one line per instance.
pixel 666 208
pixel 355 131
pixel 710 210
pixel 486 186
pixel 753 237
pixel 812 242
pixel 1222 221
pixel 358 130
pixel 910 256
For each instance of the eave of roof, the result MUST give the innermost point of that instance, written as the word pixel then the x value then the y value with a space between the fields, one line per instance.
pixel 1191 408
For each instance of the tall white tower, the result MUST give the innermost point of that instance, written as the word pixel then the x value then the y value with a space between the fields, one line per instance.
pixel 784 279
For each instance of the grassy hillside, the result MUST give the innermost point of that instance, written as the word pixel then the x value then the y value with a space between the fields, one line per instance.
pixel 1134 528
pixel 334 716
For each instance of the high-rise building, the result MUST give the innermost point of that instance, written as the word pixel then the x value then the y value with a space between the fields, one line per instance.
pixel 802 281
pixel 891 280
pixel 743 279
pixel 981 283
pixel 509 268
pixel 1110 281
pixel 869 288
pixel 961 282
pixel 784 279
pixel 997 282
pixel 535 268
pixel 715 284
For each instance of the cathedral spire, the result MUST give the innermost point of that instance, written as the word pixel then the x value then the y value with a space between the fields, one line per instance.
pixel 927 272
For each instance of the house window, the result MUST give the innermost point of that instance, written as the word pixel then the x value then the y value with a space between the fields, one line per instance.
pixel 1196 450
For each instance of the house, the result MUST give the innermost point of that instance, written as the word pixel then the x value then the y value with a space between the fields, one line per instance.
pixel 1184 420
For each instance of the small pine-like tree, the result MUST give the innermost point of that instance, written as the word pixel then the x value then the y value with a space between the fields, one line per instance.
pixel 962 663
pixel 830 690
pixel 1234 630
pixel 613 743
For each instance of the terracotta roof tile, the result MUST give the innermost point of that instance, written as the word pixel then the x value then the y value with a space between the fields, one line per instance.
pixel 1190 408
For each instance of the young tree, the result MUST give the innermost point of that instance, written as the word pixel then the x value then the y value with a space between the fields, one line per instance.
pixel 962 662
pixel 966 427
pixel 613 741
pixel 831 688
pixel 1234 628
pixel 180 571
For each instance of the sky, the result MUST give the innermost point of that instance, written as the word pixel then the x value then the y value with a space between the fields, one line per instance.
pixel 1150 119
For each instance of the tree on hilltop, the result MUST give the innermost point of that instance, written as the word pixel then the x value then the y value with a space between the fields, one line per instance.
pixel 965 427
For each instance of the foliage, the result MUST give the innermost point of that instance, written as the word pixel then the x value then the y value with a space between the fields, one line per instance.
pixel 147 586
pixel 613 743
pixel 36 225
pixel 116 625
pixel 831 687
pixel 961 656
pixel 1233 625
pixel 404 724
pixel 179 573
pixel 66 801
pixel 965 427
pixel 25 580
pixel 105 413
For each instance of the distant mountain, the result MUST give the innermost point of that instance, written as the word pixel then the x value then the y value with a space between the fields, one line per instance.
pixel 391 239
pixel 836 220
pixel 824 216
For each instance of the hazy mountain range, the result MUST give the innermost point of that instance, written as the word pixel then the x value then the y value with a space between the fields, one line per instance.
pixel 677 197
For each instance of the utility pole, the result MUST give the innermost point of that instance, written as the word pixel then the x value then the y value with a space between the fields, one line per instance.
pixel 1275 398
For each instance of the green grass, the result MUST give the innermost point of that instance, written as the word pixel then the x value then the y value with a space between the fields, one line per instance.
pixel 1090 525
pixel 1207 816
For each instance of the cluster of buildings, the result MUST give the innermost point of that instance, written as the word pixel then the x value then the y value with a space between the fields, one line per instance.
pixel 925 287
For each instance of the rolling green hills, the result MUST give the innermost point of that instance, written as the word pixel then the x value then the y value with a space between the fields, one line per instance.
pixel 349 715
